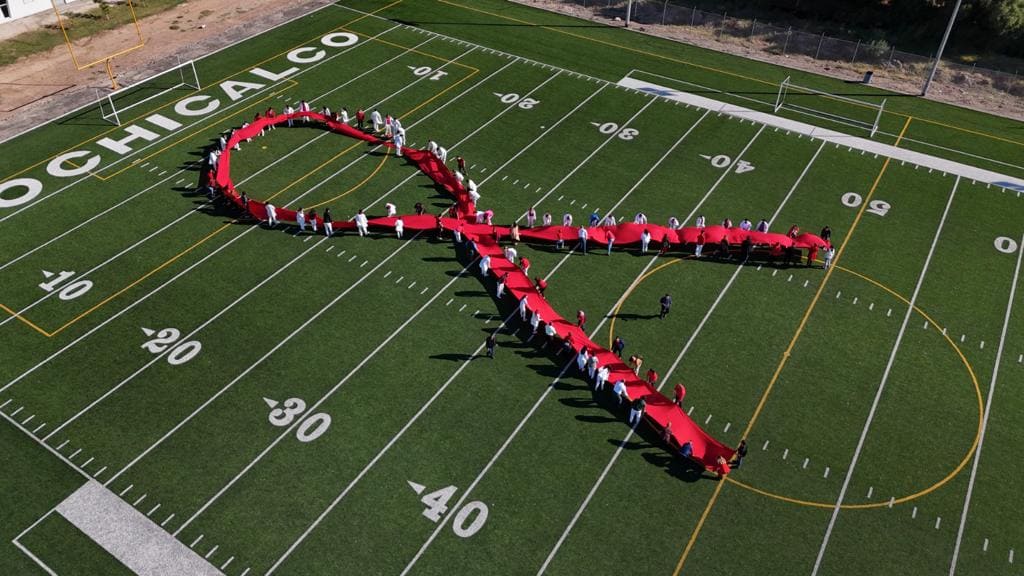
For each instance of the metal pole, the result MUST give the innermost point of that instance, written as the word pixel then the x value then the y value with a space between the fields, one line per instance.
pixel 789 33
pixel 664 12
pixel 855 50
pixel 629 11
pixel 820 42
pixel 942 47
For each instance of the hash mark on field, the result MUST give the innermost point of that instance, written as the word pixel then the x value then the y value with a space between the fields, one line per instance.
pixel 925 326
pixel 180 180
pixel 806 282
pixel 125 491
pixel 365 262
pixel 353 257
pixel 790 279
pixel 225 565
pixel 26 421
pixel 212 550
pixel 15 413
pixel 889 313
pixel 938 519
pixel 89 461
pixel 411 285
pixel 774 272
pixel 825 475
pixel 871 490
pixel 962 336
pixel 100 471
pixel 855 298
pixel 246 572
pixel 448 303
pixel 573 202
pixel 308 238
pixel 38 428
pixel 806 462
pixel 400 278
pixel 892 500
pixel 727 425
pixel 6 403
pixel 943 331
pixel 872 306
pixel 505 177
pixel 914 513
pixel 838 294
pixel 141 498
pixel 424 291
pixel 785 453
pixel 65 443
pixel 690 411
pixel 1011 555
pixel 984 546
pixel 162 173
pixel 73 454
pixel 193 545
pixel 765 447
pixel 482 170
pixel 342 253
pixel 560 197
pixel 155 508
pixel 144 164
pixel 1020 359
pixel 758 268
pixel 525 186
pixel 476 312
pixel 982 346
pixel 463 306
pixel 388 274
pixel 162 524
pixel 539 189
pixel 516 182
pixel 329 248
pixel 153 168
pixel 708 419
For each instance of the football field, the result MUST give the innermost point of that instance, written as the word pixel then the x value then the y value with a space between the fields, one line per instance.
pixel 261 400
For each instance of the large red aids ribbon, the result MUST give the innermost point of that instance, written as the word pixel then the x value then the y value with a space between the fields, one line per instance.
pixel 660 410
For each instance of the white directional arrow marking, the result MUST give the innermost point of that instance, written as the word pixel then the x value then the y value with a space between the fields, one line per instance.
pixel 271 403
pixel 419 488
pixel 148 332
pixel 498 94
pixel 706 156
pixel 596 124
pixel 47 274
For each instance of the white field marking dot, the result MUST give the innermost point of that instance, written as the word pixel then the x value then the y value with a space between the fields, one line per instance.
pixel 463 306
pixel 73 454
pixel 89 461
pixel 785 453
pixel 765 447
pixel 141 498
pixel 63 444
pixel 225 565
pixel 448 303
pixel 727 425
pixel 196 541
pixel 353 257
pixel 871 490
pixel 388 274
pixel 212 550
pixel 938 521
pixel 984 545
pixel 888 313
pixel 855 298
pixel 839 293
pixel 400 278
pixel 690 411
pixel 708 419
pixel 825 475
pixel 125 491
pixel 914 513
pixel 411 285
pixel 806 462
pixel 774 272
pixel 872 306
pixel 164 523
pixel 154 509
pixel 790 279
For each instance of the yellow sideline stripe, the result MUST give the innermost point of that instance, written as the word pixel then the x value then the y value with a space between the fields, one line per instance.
pixel 171 103
pixel 708 68
pixel 789 349
pixel 25 320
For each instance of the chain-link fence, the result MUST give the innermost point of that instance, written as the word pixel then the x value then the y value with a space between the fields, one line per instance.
pixel 841 57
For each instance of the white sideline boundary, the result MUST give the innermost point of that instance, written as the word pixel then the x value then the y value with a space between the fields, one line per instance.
pixel 988 411
pixel 881 385
pixel 668 374
pixel 830 136
pixel 129 535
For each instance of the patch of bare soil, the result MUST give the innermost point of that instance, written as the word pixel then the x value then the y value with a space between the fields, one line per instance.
pixel 975 91
pixel 36 88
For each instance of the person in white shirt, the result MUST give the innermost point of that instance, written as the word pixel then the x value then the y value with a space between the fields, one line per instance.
pixel 609 220
pixel 727 223
pixel 645 240
pixel 399 141
pixel 583 235
pixel 473 194
pixel 602 376
pixel 362 224
pixel 546 219
pixel 300 219
pixel 222 143
pixel 344 115
pixel 829 255
pixel 620 391
pixel 534 324
pixel 673 223
pixel 592 366
pixel 378 121
pixel 485 265
pixel 480 216
pixel 304 107
pixel 271 214
pixel 523 308
pixel 511 254
pixel 640 218
pixel 582 358
pixel 389 126
pixel 745 225
pixel 699 223
pixel 432 147
pixel 326 112
pixel 397 125
pixel 399 228
pixel 566 219
pixel 212 159
pixel 442 154
pixel 762 226
pixel 390 209
pixel 288 110
pixel 531 217
pixel 460 177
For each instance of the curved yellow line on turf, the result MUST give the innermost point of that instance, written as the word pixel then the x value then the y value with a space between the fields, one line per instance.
pixel 868 505
pixel 387 153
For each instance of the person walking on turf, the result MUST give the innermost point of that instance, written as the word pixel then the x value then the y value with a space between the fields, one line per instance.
pixel 611 241
pixel 741 453
pixel 300 219
pixel 399 227
pixel 645 241
pixel 666 306
pixel 491 343
pixel 362 224
pixel 829 255
pixel 620 391
pixel 360 117
pixel 602 376
pixel 636 411
pixel 583 235
pixel 311 217
pixel 679 394
pixel 618 345
pixel 271 215
pixel 378 121
pixel 581 319
pixel 501 285
pixel 328 223
pixel 524 307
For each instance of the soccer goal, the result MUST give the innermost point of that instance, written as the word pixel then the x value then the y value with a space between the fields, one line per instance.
pixel 116 103
pixel 861 114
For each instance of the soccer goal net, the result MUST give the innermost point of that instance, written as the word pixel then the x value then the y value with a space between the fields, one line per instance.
pixel 118 102
pixel 844 110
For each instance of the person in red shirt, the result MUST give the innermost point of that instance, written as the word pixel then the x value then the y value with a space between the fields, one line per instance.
pixel 652 377
pixel 461 163
pixel 793 231
pixel 270 114
pixel 812 253
pixel 680 393
pixel 611 241
pixel 699 247
pixel 541 285
pixel 524 263
pixel 360 118
pixel 581 319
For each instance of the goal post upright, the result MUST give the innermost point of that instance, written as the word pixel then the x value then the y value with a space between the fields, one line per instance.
pixel 782 93
pixel 878 117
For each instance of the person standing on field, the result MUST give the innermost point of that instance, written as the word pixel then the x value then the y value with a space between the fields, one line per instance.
pixel 328 223
pixel 300 219
pixel 399 227
pixel 360 118
pixel 271 215
pixel 378 121
pixel 362 224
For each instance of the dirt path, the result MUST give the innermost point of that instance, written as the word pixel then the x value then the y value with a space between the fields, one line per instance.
pixel 34 87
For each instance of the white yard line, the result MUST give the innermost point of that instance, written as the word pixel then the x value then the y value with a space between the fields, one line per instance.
pixel 312 409
pixel 48 448
pixel 160 140
pixel 881 385
pixel 258 362
pixel 515 432
pixel 34 558
pixel 988 411
pixel 667 377
pixel 160 356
